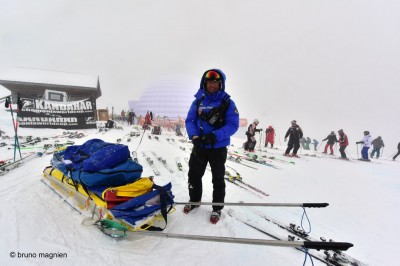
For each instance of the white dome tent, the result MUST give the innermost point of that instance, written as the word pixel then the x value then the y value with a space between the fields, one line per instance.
pixel 170 96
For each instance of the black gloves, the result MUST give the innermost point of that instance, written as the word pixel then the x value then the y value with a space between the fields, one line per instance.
pixel 198 146
pixel 209 139
pixel 197 142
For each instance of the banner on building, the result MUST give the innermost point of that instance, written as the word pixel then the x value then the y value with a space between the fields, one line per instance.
pixel 38 113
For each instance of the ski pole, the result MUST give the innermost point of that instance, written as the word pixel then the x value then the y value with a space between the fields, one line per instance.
pixel 8 103
pixel 16 141
pixel 349 155
pixel 391 156
pixel 254 204
pixel 141 138
pixel 64 200
pixel 319 146
pixel 358 156
pixel 234 240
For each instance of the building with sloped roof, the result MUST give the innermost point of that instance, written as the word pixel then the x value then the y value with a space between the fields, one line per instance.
pixel 52 99
pixel 32 83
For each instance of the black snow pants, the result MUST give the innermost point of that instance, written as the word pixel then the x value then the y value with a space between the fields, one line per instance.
pixel 293 145
pixel 342 153
pixel 197 167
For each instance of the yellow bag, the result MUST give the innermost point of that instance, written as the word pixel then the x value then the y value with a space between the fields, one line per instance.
pixel 137 188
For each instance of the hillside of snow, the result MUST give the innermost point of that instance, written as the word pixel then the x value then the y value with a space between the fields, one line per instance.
pixel 364 199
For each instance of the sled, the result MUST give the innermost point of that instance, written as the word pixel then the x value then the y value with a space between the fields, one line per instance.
pixel 145 216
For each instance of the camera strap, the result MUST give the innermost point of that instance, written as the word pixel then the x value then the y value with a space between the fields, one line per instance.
pixel 219 110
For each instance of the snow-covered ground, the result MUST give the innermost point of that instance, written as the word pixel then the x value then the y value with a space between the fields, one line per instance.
pixel 364 200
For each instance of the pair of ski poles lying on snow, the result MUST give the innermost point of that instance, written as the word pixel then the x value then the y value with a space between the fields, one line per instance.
pixel 342 246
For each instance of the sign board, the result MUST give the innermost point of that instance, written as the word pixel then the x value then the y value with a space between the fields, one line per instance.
pixel 38 113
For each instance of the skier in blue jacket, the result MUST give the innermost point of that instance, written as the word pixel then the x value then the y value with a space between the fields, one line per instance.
pixel 212 119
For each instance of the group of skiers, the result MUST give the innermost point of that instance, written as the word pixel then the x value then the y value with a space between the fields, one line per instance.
pixel 306 142
pixel 295 135
pixel 129 116
pixel 343 141
pixel 332 140
pixel 367 142
pixel 251 142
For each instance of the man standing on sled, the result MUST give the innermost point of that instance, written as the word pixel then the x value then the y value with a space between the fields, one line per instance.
pixel 211 121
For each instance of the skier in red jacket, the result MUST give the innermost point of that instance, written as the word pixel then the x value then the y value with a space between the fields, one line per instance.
pixel 269 136
pixel 147 120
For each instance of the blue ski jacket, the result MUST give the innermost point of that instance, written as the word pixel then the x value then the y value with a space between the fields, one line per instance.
pixel 204 102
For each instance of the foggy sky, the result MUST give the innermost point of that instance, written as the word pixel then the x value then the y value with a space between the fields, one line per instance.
pixel 328 64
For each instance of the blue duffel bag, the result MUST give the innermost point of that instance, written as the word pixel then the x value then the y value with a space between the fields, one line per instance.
pixel 98 163
pixel 95 155
pixel 120 175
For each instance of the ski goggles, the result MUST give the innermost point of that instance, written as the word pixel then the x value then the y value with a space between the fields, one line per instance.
pixel 212 75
